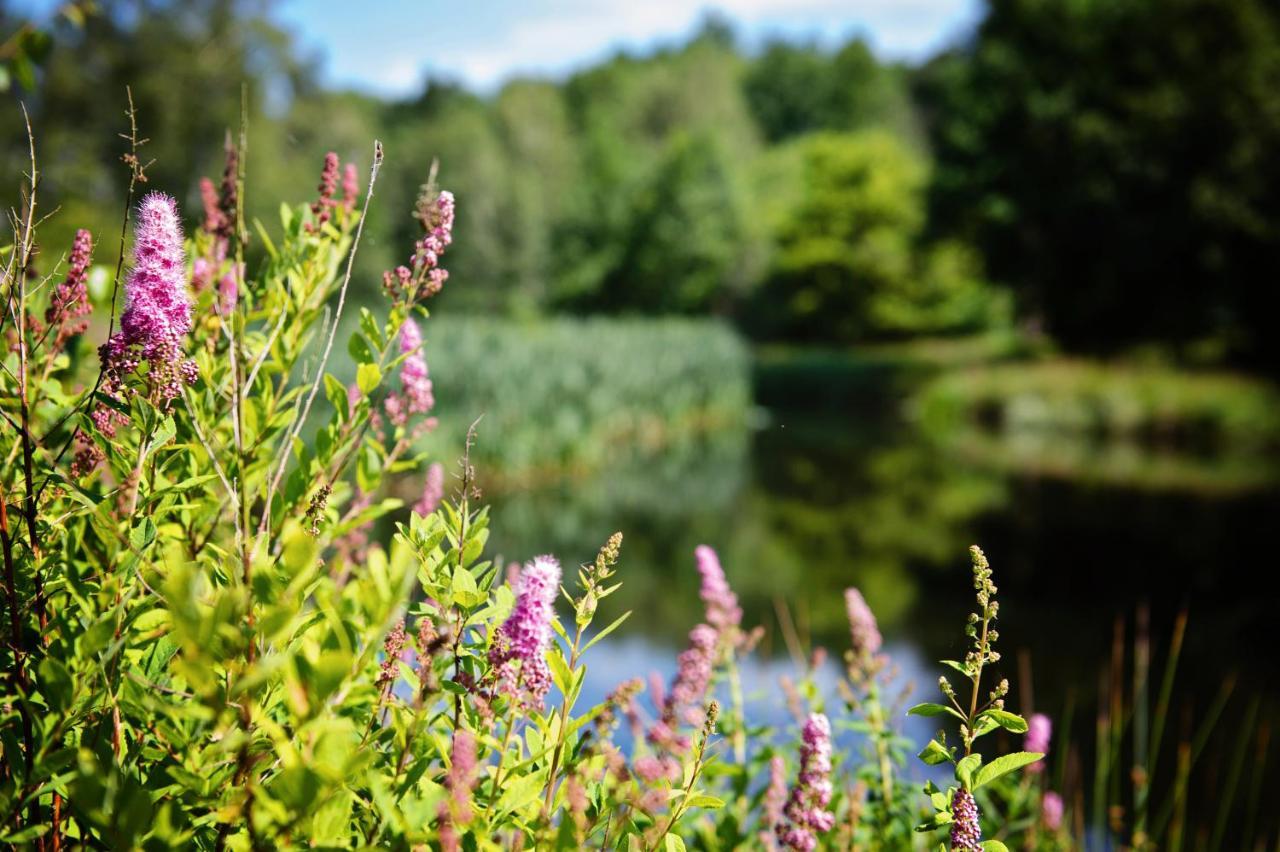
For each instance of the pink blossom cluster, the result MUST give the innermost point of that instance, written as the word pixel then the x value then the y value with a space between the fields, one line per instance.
pixel 966 831
pixel 157 314
pixel 1039 733
pixel 432 491
pixel 392 647
pixel 723 612
pixel 424 277
pixel 863 631
pixel 775 798
pixel 1051 809
pixel 806 814
pixel 415 396
pixel 460 780
pixel 517 655
pixel 219 224
pixel 70 301
pixel 322 207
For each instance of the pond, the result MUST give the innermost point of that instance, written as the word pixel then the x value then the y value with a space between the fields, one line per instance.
pixel 1086 542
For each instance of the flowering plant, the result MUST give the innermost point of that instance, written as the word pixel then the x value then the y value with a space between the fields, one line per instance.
pixel 208 644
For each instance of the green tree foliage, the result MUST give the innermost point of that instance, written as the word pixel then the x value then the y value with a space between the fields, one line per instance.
pixel 643 185
pixel 1116 162
pixel 185 68
pixel 851 262
pixel 795 89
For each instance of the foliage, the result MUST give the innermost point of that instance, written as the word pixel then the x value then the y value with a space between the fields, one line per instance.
pixel 206 649
pixel 851 262
pixel 1151 403
pixel 563 395
pixel 1114 168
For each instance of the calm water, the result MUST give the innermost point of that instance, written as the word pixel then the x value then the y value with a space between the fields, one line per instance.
pixel 801 505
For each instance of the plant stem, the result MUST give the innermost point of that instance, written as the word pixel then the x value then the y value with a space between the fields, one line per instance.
pixel 565 707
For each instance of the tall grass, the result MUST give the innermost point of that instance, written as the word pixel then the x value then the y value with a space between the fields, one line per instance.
pixel 565 395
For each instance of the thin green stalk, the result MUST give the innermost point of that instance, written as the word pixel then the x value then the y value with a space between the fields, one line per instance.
pixel 1143 803
pixel 1243 737
pixel 565 707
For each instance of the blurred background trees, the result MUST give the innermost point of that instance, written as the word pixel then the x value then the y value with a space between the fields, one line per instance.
pixel 1104 170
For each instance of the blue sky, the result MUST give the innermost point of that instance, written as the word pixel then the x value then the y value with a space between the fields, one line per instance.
pixel 387 46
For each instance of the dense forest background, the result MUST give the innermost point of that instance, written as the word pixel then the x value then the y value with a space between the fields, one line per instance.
pixel 1105 173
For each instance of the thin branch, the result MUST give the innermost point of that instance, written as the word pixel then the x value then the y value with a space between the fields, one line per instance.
pixel 265 524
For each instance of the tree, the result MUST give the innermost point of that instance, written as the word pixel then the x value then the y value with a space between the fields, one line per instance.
pixel 1115 160
pixel 850 261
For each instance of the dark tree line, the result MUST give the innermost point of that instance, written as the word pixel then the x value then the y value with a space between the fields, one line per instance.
pixel 1110 168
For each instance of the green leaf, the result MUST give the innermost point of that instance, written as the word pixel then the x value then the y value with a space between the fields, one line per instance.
pixel 603 633
pixel 1011 722
pixel 55 683
pixel 700 800
pixel 934 753
pixel 929 709
pixel 143 535
pixel 994 846
pixel 368 377
pixel 673 843
pixel 1002 765
pixel 463 589
pixel 966 767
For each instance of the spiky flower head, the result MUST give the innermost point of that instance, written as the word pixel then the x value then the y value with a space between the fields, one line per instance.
pixel 1039 734
pixel 432 491
pixel 806 815
pixel 157 309
pixel 70 301
pixel 864 634
pixel 518 652
pixel 966 832
pixel 157 314
pixel 1051 809
pixel 723 612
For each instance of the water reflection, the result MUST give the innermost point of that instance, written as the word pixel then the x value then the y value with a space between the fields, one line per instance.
pixel 806 505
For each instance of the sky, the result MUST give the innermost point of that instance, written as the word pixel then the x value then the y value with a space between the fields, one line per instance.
pixel 389 46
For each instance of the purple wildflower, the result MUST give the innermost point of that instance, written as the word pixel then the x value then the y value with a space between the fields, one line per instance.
pixel 416 396
pixel 350 187
pixel 1039 732
pixel 775 798
pixel 966 833
pixel 322 208
pixel 157 312
pixel 215 221
pixel 459 781
pixel 683 701
pixel 805 813
pixel 228 291
pixel 432 491
pixel 723 612
pixel 524 637
pixel 70 301
pixel 1051 811
pixel 157 306
pixel 424 276
pixel 651 769
pixel 863 632
pixel 392 647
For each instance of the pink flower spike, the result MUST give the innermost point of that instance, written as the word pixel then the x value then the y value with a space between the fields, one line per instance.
pixel 863 632
pixel 723 612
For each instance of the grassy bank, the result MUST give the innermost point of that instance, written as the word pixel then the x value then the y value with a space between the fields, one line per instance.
pixel 1151 405
pixel 561 396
